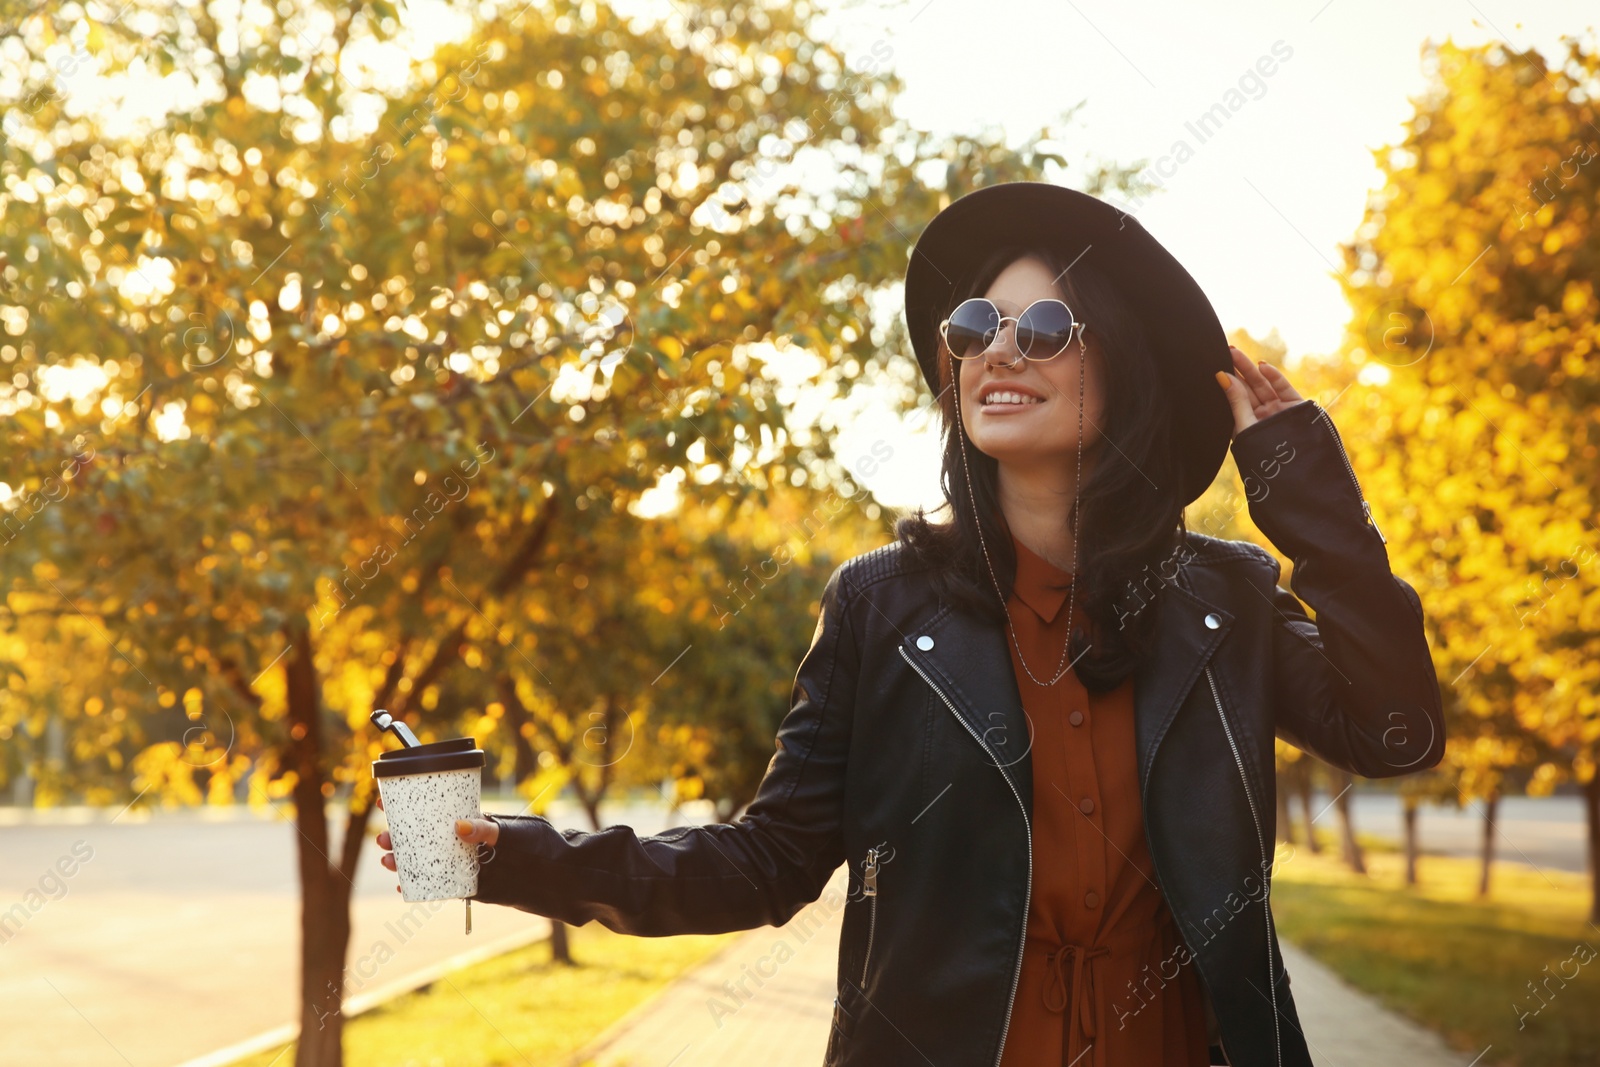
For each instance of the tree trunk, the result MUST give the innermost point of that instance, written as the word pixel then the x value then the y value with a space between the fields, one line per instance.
pixel 324 888
pixel 1347 826
pixel 591 808
pixel 1285 823
pixel 1303 784
pixel 560 946
pixel 1491 809
pixel 1409 815
pixel 526 761
pixel 1591 803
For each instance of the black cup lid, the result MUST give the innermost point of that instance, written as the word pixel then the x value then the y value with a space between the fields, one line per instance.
pixel 456 754
pixel 455 744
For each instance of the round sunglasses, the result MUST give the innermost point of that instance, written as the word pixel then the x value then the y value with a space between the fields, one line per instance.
pixel 1043 330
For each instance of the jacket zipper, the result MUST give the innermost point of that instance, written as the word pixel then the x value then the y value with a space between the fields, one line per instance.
pixel 869 878
pixel 1366 508
pixel 1027 899
pixel 1261 843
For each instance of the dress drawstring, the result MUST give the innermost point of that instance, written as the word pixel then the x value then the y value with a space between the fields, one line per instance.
pixel 1082 990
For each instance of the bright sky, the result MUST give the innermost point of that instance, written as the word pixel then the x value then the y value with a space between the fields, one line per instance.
pixel 1257 213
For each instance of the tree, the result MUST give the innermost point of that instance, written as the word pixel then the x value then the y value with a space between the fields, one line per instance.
pixel 1474 331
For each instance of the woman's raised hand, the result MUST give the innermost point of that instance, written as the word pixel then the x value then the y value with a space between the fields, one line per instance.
pixel 1255 391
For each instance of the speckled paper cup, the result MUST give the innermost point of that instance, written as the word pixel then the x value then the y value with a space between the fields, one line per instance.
pixel 425 790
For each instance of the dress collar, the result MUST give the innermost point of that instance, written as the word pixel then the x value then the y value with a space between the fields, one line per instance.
pixel 1036 582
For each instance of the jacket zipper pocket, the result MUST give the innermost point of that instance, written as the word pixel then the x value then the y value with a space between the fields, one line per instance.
pixel 1366 508
pixel 1261 843
pixel 869 881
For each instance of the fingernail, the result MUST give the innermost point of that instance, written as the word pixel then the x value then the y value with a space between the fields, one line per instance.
pixel 1222 379
pixel 463 826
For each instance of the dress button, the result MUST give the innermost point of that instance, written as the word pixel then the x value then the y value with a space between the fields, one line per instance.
pixel 925 642
pixel 1086 806
pixel 1076 718
pixel 1213 620
pixel 1091 899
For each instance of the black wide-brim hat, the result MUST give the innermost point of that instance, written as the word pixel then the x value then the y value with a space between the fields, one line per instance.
pixel 1187 338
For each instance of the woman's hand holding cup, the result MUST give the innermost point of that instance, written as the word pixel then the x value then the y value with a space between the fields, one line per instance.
pixel 471 831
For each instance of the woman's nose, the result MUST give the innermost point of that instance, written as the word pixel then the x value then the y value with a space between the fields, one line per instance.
pixel 1003 347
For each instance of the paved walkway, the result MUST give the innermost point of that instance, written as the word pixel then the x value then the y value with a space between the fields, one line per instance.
pixel 1345 1028
pixel 698 1021
pixel 704 1020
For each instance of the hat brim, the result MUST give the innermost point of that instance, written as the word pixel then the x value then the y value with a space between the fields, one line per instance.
pixel 1187 339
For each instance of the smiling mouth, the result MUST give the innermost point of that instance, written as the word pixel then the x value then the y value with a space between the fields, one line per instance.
pixel 1004 398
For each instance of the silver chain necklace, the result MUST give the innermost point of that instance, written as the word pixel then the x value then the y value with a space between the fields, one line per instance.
pixel 1063 667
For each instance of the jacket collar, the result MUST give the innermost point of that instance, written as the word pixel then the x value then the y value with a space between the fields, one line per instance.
pixel 968 660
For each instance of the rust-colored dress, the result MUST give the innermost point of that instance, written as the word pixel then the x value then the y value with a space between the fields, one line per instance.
pixel 1103 970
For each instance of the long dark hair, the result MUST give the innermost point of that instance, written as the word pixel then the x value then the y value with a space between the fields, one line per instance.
pixel 1130 519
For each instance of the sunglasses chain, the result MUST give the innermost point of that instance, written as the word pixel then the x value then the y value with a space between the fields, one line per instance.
pixel 1062 667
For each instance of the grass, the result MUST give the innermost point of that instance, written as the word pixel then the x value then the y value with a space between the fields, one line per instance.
pixel 518 1008
pixel 1458 965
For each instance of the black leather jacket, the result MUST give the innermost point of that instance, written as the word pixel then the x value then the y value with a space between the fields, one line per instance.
pixel 907 745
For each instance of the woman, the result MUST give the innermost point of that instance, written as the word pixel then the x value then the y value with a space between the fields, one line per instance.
pixel 1041 733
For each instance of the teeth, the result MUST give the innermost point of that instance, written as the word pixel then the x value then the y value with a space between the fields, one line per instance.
pixel 1000 397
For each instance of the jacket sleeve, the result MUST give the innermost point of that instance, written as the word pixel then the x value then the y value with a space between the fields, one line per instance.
pixel 1357 687
pixel 759 870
